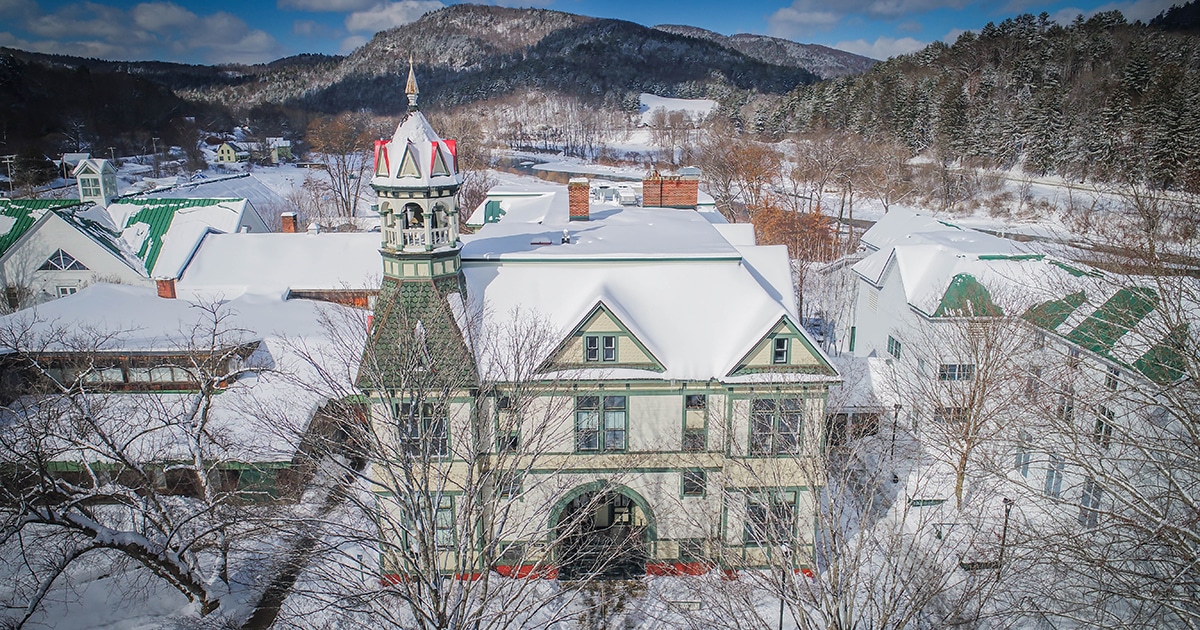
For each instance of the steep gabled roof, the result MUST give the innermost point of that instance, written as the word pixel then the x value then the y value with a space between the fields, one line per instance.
pixel 18 215
pixel 411 159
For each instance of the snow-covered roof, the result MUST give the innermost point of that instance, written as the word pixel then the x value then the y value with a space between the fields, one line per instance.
pixel 164 233
pixel 532 228
pixel 241 186
pixel 901 226
pixel 416 157
pixel 274 263
pixel 698 301
pixel 246 418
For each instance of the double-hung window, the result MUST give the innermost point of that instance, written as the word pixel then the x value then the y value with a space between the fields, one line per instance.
pixel 600 348
pixel 601 423
pixel 695 406
pixel 775 425
pixel 1111 379
pixel 1054 476
pixel 893 347
pixel 770 517
pixel 693 483
pixel 1102 433
pixel 422 428
pixel 1023 453
pixel 779 350
pixel 956 371
pixel 443 523
pixel 1089 503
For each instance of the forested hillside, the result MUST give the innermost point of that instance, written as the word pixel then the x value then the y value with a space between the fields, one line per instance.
pixel 1099 98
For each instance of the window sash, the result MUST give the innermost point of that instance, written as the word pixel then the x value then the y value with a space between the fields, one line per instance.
pixel 591 348
pixel 609 346
pixel 776 426
pixel 779 353
pixel 694 482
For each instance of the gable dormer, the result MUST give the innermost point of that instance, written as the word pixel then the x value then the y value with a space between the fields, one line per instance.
pixel 601 340
pixel 408 164
pixel 437 163
pixel 783 349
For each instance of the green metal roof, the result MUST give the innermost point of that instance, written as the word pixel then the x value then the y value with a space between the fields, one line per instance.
pixel 966 297
pixel 1164 363
pixel 24 213
pixel 158 214
pixel 1052 314
pixel 1101 330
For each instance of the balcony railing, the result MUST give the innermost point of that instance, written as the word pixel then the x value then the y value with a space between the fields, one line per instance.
pixel 426 238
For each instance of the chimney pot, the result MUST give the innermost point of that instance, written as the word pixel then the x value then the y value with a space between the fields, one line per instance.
pixel 578 198
pixel 166 287
pixel 288 220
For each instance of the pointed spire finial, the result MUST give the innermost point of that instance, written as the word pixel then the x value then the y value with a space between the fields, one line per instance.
pixel 411 87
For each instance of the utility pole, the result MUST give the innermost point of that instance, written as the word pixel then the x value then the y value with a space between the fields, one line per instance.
pixel 154 143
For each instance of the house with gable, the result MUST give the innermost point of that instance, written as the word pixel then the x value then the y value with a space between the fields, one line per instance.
pixel 675 419
pixel 53 248
pixel 1083 354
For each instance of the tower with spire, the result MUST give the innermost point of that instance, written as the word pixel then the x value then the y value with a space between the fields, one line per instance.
pixel 416 182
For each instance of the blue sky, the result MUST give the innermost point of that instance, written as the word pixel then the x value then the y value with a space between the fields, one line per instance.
pixel 252 31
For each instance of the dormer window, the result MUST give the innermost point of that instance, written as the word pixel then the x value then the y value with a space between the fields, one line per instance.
pixel 62 261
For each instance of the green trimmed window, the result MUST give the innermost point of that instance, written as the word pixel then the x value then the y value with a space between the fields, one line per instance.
pixel 770 517
pixel 422 428
pixel 694 482
pixel 780 350
pixel 775 425
pixel 600 348
pixel 601 423
pixel 893 347
pixel 443 523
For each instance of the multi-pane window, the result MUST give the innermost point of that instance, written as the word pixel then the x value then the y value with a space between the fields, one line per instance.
pixel 779 350
pixel 508 441
pixel 1110 378
pixel 443 523
pixel 696 402
pixel 508 485
pixel 65 291
pixel 950 414
pixel 770 517
pixel 956 371
pixel 62 261
pixel 1073 358
pixel 1033 383
pixel 693 483
pixel 508 438
pixel 694 437
pixel 1054 476
pixel 1102 433
pixel 1089 503
pixel 601 423
pixel 893 346
pixel 600 348
pixel 1023 454
pixel 90 186
pixel 775 425
pixel 694 440
pixel 422 428
pixel 1066 405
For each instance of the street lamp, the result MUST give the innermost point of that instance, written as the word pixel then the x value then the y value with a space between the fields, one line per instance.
pixel 1008 505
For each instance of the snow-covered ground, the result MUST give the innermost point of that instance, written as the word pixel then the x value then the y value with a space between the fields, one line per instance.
pixel 697 108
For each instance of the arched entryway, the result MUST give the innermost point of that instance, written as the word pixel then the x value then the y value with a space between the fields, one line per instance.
pixel 603 531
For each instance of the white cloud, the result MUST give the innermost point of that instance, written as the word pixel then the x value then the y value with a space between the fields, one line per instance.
pixel 328 6
pixel 389 14
pixel 881 48
pixel 951 36
pixel 352 43
pixel 157 16
pixel 1143 10
pixel 790 22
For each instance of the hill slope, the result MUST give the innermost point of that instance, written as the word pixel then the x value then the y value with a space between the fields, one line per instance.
pixel 822 61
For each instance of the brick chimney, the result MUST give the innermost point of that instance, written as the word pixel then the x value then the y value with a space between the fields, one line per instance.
pixel 578 195
pixel 166 287
pixel 671 191
pixel 288 220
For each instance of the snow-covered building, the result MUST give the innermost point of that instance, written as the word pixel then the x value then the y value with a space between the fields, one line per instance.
pixel 146 366
pixel 679 397
pixel 232 152
pixel 1070 352
pixel 53 248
